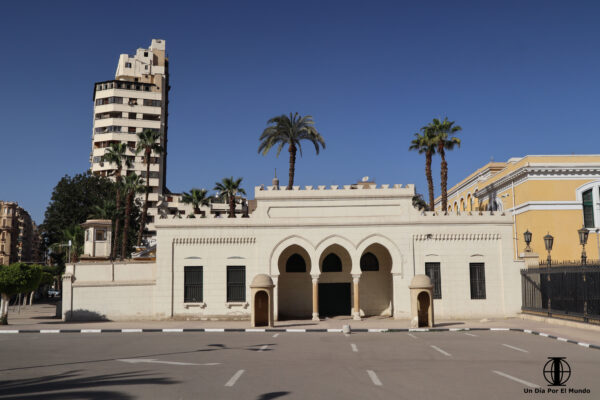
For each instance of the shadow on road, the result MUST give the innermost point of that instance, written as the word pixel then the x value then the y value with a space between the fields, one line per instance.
pixel 71 385
pixel 272 395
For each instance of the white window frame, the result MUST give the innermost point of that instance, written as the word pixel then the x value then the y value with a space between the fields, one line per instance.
pixel 595 186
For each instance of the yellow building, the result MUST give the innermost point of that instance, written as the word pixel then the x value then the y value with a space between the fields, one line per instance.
pixel 554 194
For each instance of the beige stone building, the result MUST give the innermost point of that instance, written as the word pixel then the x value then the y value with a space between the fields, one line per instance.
pixel 137 99
pixel 339 250
pixel 19 236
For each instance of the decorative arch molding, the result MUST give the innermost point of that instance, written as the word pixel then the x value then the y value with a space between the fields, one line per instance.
pixel 397 259
pixel 236 258
pixel 284 244
pixel 330 240
pixel 583 188
pixel 476 256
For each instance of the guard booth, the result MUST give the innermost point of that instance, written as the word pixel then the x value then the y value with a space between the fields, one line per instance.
pixel 97 239
pixel 262 301
pixel 421 301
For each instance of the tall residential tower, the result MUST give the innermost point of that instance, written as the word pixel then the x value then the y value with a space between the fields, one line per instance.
pixel 137 99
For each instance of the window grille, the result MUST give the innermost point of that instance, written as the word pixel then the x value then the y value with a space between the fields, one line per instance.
pixel 432 270
pixel 477 272
pixel 193 280
pixel 236 283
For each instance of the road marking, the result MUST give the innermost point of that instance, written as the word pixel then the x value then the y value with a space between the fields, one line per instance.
pixel 130 330
pixel 412 336
pixel 234 378
pixel 543 334
pixel 354 348
pixel 155 361
pixel 374 378
pixel 263 348
pixel 275 335
pixel 371 330
pixel 334 330
pixel 514 348
pixel 499 329
pixel 172 330
pixel 49 330
pixel 255 330
pixel 531 385
pixel 584 344
pixel 469 334
pixel 296 330
pixel 562 339
pixel 214 330
pixel 91 330
pixel 9 331
pixel 441 351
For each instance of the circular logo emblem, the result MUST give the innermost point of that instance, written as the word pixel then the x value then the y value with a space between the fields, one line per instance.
pixel 557 371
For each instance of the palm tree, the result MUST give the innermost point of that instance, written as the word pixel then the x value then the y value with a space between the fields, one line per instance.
pixel 228 188
pixel 133 184
pixel 290 130
pixel 105 211
pixel 148 142
pixel 116 154
pixel 444 132
pixel 197 198
pixel 425 143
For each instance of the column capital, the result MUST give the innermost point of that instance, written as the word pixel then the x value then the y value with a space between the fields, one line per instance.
pixel 315 278
pixel 356 278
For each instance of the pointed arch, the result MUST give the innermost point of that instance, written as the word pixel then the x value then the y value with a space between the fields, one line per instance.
pixel 284 244
pixel 377 238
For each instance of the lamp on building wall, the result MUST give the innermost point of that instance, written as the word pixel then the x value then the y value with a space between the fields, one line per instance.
pixel 527 237
pixel 583 237
pixel 549 242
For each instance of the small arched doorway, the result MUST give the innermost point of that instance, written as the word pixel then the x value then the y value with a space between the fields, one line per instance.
pixel 423 308
pixel 261 308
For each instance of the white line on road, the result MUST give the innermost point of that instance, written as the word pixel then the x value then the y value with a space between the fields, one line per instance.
pixel 131 330
pixel 354 348
pixel 49 330
pixel 469 334
pixel 155 361
pixel 275 335
pixel 374 378
pixel 91 330
pixel 514 348
pixel 532 385
pixel 214 330
pixel 172 330
pixel 234 378
pixel 255 330
pixel 263 348
pixel 584 344
pixel 9 331
pixel 441 351
pixel 544 334
pixel 561 339
pixel 412 336
pixel 499 329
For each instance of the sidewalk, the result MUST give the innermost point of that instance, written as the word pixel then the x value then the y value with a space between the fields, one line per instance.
pixel 41 317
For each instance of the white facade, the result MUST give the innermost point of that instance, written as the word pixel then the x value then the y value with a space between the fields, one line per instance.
pixel 313 223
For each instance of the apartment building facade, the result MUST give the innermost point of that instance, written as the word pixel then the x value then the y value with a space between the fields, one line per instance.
pixel 136 100
pixel 19 236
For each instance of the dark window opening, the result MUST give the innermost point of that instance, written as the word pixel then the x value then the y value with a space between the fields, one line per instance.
pixel 295 263
pixel 236 283
pixel 368 262
pixel 193 285
pixel 432 270
pixel 588 209
pixel 477 273
pixel 332 263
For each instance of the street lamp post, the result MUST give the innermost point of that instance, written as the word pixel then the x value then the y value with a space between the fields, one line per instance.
pixel 583 237
pixel 549 242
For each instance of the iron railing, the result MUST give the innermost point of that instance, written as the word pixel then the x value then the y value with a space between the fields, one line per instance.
pixel 564 291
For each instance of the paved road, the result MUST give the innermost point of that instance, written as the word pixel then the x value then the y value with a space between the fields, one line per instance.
pixel 417 365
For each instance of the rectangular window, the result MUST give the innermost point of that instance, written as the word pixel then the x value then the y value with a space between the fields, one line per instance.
pixel 152 103
pixel 477 272
pixel 588 209
pixel 192 289
pixel 236 283
pixel 127 65
pixel 432 270
pixel 100 235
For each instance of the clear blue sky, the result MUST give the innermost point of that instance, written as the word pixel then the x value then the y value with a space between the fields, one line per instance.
pixel 520 77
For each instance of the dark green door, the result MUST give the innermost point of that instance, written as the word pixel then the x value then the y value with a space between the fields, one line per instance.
pixel 334 299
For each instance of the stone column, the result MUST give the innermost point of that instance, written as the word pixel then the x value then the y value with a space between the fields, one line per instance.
pixel 355 297
pixel 275 298
pixel 315 297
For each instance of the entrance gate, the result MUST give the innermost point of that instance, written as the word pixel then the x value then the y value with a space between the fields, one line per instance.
pixel 334 299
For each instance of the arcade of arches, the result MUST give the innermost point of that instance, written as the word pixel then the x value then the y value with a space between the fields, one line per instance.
pixel 335 286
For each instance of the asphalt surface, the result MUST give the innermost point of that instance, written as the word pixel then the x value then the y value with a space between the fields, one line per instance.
pixel 415 365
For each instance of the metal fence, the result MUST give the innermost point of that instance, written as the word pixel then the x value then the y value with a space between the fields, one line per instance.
pixel 563 291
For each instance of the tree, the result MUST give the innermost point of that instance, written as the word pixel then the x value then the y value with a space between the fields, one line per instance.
pixel 133 184
pixel 426 144
pixel 418 202
pixel 227 189
pixel 444 132
pixel 290 130
pixel 73 200
pixel 116 154
pixel 148 142
pixel 197 198
pixel 16 278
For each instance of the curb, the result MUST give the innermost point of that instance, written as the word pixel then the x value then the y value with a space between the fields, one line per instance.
pixel 290 330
